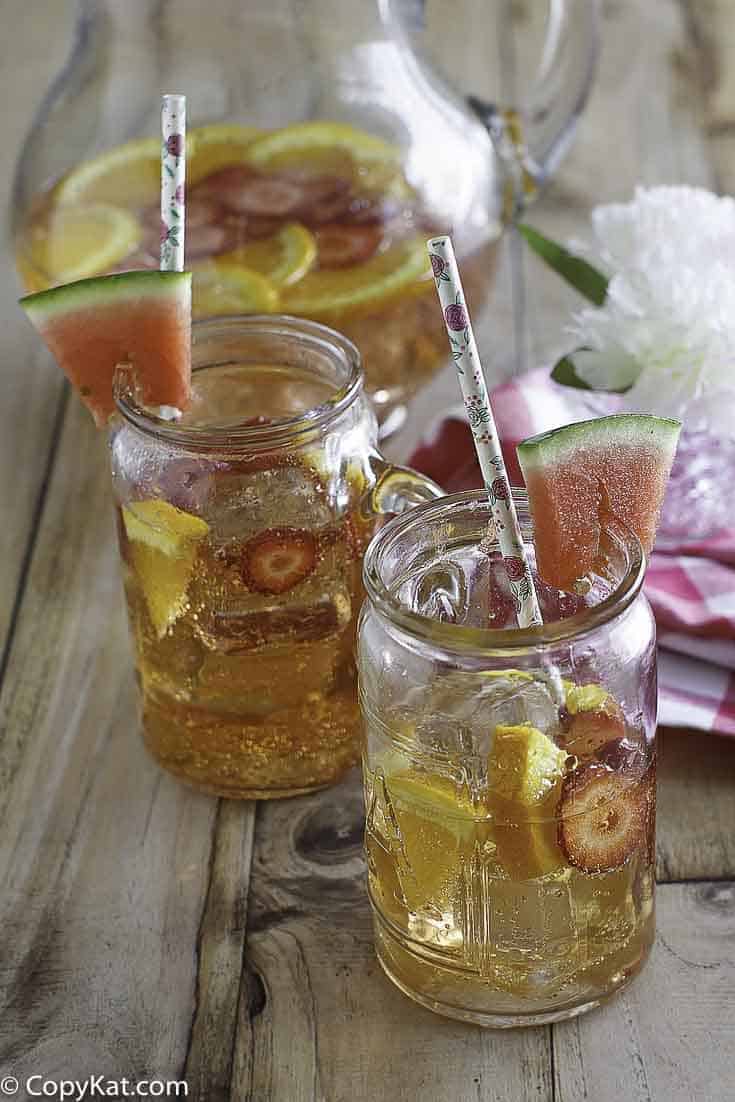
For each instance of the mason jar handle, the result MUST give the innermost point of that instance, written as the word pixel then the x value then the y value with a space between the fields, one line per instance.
pixel 397 488
pixel 532 140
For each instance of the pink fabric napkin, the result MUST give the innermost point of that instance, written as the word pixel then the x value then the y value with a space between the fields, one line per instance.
pixel 691 586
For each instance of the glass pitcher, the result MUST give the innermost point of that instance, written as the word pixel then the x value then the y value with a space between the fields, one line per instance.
pixel 322 151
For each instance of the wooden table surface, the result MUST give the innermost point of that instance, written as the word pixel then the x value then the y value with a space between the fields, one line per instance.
pixel 148 931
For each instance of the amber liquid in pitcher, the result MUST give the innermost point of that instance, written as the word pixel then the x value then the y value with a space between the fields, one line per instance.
pixel 315 220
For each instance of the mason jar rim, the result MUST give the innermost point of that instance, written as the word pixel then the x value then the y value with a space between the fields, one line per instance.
pixel 493 641
pixel 254 437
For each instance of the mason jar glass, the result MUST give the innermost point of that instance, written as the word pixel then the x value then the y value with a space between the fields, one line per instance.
pixel 242 526
pixel 509 774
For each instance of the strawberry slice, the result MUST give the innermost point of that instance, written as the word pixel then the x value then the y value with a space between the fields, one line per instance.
pixel 623 756
pixel 263 195
pixel 204 241
pixel 278 559
pixel 602 817
pixel 341 246
pixel 373 210
pixel 321 212
pixel 588 732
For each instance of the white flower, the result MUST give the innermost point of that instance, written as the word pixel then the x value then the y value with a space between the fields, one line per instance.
pixel 668 324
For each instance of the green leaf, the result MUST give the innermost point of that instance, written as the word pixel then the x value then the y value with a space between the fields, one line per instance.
pixel 565 373
pixel 582 276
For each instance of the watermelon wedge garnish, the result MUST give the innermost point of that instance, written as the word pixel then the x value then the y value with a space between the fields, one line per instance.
pixel 577 474
pixel 140 318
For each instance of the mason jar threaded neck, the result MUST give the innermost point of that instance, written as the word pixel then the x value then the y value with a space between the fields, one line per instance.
pixel 434 525
pixel 259 339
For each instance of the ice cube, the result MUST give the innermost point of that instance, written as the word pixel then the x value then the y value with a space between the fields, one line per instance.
pixel 247 499
pixel 462 709
pixel 440 592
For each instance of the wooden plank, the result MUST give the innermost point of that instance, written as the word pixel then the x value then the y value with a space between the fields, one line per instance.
pixel 318 1020
pixel 105 862
pixel 671 1034
pixel 696 807
pixel 221 946
pixel 30 386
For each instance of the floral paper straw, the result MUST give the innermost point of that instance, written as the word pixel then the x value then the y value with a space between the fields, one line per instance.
pixel 484 433
pixel 173 175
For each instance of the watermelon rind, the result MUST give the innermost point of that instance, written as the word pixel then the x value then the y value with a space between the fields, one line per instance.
pixel 615 430
pixel 99 291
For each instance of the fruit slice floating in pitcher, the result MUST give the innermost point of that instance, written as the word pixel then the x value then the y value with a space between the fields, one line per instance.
pixel 321 143
pixel 77 242
pixel 221 289
pixel 163 550
pixel 576 475
pixel 128 176
pixel 210 148
pixel 137 318
pixel 330 294
pixel 282 258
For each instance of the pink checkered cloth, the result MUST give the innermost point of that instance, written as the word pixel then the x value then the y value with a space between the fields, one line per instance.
pixel 690 586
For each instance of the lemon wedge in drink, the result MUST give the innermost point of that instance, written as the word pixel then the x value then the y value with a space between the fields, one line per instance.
pixel 215 146
pixel 585 698
pixel 525 771
pixel 332 294
pixel 283 259
pixel 129 175
pixel 524 764
pixel 163 550
pixel 78 242
pixel 435 830
pixel 221 289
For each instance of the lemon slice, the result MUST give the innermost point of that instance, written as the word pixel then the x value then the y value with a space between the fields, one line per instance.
pixel 330 295
pixel 129 175
pixel 161 525
pixel 524 764
pixel 216 146
pixel 302 139
pixel 525 771
pixel 435 829
pixel 78 242
pixel 585 698
pixel 220 289
pixel 283 259
pixel 163 550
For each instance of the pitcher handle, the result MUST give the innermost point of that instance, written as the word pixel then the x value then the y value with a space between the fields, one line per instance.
pixel 532 140
pixel 397 488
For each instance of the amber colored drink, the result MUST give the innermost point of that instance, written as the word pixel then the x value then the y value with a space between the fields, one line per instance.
pixel 242 527
pixel 510 774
